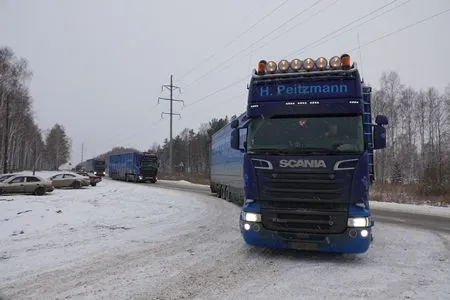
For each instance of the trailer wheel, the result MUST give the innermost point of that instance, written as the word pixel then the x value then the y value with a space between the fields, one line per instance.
pixel 228 196
pixel 224 193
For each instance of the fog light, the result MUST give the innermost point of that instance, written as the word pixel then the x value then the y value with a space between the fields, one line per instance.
pixel 352 233
pixel 247 226
pixel 364 233
pixel 256 228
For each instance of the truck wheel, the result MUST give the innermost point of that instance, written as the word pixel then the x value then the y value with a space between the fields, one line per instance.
pixel 93 183
pixel 39 191
pixel 219 192
pixel 229 197
pixel 224 193
pixel 76 184
pixel 153 180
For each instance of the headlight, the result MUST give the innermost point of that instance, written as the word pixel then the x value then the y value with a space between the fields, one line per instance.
pixel 296 64
pixel 335 62
pixel 271 67
pixel 283 65
pixel 308 64
pixel 250 217
pixel 321 63
pixel 358 222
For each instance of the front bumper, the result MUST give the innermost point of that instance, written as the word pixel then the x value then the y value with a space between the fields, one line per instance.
pixel 350 241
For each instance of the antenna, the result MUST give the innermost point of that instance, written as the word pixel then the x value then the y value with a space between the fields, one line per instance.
pixel 360 57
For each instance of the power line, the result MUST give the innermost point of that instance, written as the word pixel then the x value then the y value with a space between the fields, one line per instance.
pixel 300 23
pixel 315 44
pixel 252 44
pixel 227 61
pixel 218 91
pixel 403 28
pixel 341 28
pixel 234 39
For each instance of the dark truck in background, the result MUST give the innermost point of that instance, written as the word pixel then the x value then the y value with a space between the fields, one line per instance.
pixel 134 166
pixel 95 166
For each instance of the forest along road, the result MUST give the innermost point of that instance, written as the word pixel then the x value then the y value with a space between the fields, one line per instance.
pixel 175 241
pixel 429 222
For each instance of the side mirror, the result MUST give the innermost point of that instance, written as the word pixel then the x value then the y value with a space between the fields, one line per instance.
pixel 381 120
pixel 234 141
pixel 379 137
pixel 235 123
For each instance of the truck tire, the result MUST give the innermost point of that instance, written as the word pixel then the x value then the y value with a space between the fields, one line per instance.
pixel 153 180
pixel 93 183
pixel 227 195
pixel 39 191
pixel 76 184
pixel 224 193
pixel 219 192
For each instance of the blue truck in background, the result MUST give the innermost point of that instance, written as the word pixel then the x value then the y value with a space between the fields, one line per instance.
pixel 300 158
pixel 134 166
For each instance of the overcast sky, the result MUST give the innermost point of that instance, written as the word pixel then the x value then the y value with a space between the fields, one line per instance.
pixel 99 65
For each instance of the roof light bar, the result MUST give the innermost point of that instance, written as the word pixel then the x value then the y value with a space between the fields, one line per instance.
pixel 296 65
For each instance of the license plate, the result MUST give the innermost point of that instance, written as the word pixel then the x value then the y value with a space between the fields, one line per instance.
pixel 303 246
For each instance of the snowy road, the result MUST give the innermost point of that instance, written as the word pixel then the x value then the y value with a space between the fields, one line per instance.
pixel 131 241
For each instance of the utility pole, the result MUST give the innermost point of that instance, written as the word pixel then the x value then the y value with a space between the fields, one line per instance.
pixel 170 87
pixel 6 137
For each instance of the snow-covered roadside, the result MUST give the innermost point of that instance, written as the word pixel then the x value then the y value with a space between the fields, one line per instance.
pixel 428 210
pixel 183 183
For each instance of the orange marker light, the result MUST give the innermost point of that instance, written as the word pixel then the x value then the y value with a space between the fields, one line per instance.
pixel 346 61
pixel 261 67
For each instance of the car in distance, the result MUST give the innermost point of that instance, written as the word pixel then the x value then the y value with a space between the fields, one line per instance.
pixel 69 180
pixel 25 184
pixel 94 179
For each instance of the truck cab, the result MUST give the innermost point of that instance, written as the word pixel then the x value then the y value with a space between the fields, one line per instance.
pixel 307 141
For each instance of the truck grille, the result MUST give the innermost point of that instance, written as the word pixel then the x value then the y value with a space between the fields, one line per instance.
pixel 313 202
pixel 149 172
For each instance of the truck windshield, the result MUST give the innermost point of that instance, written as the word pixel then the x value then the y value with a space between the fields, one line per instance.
pixel 149 163
pixel 305 135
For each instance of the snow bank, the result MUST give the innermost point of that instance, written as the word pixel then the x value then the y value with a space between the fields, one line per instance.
pixel 184 183
pixel 412 208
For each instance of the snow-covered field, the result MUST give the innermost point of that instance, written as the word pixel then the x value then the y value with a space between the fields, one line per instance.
pixel 136 241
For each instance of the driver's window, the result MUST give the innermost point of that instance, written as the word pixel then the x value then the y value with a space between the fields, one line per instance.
pixel 59 176
pixel 18 180
pixel 69 176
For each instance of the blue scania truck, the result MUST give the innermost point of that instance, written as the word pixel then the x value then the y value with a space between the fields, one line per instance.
pixel 300 158
pixel 134 166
